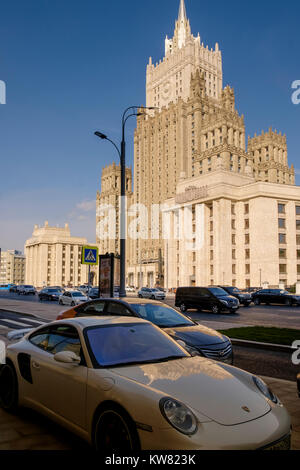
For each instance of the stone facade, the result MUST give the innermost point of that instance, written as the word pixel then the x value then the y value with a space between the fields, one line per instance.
pixel 250 233
pixel 12 267
pixel 193 147
pixel 53 258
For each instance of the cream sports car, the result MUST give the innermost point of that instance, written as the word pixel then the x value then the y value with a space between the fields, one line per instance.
pixel 123 384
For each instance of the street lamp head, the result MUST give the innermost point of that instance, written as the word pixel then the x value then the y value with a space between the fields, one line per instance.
pixel 99 134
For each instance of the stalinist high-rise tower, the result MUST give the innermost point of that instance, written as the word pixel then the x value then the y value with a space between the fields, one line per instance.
pixel 195 131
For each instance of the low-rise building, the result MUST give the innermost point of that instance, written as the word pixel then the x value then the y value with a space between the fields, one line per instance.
pixel 12 267
pixel 54 257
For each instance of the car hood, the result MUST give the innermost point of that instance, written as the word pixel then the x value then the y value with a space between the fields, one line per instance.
pixel 217 391
pixel 196 335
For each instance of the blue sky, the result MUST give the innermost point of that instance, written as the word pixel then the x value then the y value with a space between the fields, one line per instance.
pixel 72 67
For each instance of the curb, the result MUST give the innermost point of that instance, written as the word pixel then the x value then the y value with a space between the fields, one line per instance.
pixel 267 346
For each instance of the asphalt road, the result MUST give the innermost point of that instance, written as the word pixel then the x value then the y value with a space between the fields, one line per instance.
pixel 280 316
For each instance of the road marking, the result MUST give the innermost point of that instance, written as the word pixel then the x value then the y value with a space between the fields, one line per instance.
pixel 34 321
pixel 6 320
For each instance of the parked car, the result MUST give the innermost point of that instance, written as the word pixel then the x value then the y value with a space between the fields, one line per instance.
pixel 213 299
pixel 94 293
pixel 130 289
pixel 147 293
pixel 245 298
pixel 26 290
pixel 275 296
pixel 206 341
pixel 124 385
pixel 13 288
pixel 72 298
pixel 50 294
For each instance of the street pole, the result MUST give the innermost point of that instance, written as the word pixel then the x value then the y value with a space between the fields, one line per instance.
pixel 122 292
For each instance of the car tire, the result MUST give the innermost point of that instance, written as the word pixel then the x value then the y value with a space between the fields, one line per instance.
pixel 183 308
pixel 8 388
pixel 140 296
pixel 215 309
pixel 153 297
pixel 72 304
pixel 257 301
pixel 288 302
pixel 115 432
pixel 60 302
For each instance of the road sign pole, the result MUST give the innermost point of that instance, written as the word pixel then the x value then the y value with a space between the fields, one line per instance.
pixel 89 280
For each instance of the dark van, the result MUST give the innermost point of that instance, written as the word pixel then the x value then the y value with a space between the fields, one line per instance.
pixel 214 299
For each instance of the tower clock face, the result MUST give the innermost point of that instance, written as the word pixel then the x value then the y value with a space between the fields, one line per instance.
pixel 166 90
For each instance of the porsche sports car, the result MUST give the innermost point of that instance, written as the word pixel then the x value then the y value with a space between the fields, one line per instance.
pixel 124 385
pixel 206 341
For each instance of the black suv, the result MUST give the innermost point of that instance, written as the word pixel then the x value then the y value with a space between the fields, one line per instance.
pixel 275 296
pixel 214 299
pixel 244 298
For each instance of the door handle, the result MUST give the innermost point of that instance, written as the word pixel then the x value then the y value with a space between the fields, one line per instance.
pixel 35 365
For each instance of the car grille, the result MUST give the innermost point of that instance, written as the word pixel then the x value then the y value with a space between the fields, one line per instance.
pixel 218 354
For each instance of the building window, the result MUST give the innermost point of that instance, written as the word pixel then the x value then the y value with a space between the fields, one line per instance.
pixel 281 223
pixel 282 253
pixel 247 268
pixel 233 239
pixel 246 224
pixel 297 224
pixel 233 254
pixel 211 270
pixel 247 239
pixel 211 255
pixel 233 224
pixel 281 208
pixel 234 269
pixel 211 241
pixel 232 209
pixel 247 254
pixel 297 210
pixel 282 269
pixel 298 268
pixel 246 208
pixel 298 254
pixel 282 238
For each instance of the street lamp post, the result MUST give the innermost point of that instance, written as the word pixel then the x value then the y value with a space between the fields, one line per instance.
pixel 122 157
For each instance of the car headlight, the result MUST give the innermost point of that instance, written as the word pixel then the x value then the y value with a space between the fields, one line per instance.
pixel 265 390
pixel 178 415
pixel 224 302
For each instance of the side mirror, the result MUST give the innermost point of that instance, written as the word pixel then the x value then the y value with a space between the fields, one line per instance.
pixel 67 357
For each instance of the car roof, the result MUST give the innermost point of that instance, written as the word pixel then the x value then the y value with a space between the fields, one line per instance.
pixel 130 300
pixel 84 322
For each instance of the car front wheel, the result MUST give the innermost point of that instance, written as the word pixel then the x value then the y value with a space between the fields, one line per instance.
pixel 288 302
pixel 215 309
pixel 115 432
pixel 183 307
pixel 257 301
pixel 8 388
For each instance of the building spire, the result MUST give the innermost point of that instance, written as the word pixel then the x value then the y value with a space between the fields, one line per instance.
pixel 182 11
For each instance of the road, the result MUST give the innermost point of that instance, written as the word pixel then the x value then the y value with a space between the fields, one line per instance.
pixel 277 316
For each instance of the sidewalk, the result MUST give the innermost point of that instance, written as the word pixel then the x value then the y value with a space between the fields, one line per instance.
pixel 30 431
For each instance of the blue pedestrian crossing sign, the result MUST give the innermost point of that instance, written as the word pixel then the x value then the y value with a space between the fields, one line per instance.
pixel 89 255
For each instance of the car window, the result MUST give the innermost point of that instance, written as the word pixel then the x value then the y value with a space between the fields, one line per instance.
pixel 64 338
pixel 96 307
pixel 161 315
pixel 116 345
pixel 118 309
pixel 40 338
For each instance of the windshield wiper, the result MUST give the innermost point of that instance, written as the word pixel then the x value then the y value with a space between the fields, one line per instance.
pixel 150 361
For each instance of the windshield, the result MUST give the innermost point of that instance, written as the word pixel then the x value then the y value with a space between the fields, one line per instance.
pixel 77 294
pixel 218 292
pixel 161 315
pixel 53 290
pixel 124 344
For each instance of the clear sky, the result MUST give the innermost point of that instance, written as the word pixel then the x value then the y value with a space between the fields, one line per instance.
pixel 71 67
